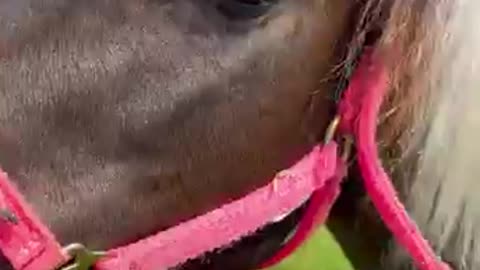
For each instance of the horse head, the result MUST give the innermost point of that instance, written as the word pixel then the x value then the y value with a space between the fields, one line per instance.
pixel 119 119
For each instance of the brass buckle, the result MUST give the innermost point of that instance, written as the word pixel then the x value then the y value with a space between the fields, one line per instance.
pixel 82 258
pixel 331 129
pixel 347 140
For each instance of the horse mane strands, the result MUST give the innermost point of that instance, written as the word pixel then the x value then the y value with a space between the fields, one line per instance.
pixel 432 50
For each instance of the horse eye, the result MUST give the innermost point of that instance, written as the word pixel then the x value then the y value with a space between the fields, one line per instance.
pixel 245 9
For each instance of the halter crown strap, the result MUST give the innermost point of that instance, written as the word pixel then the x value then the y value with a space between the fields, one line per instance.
pixel 359 110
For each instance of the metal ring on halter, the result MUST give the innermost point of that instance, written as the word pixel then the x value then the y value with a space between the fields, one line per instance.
pixel 331 129
pixel 82 258
pixel 347 143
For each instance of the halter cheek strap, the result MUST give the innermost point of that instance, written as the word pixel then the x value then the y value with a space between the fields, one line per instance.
pixel 359 110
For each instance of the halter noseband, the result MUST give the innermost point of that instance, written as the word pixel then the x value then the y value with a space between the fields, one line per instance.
pixel 29 245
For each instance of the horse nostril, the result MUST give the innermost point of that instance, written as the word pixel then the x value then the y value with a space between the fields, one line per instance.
pixel 245 9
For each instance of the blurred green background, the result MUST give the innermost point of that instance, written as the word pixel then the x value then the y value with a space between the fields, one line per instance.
pixel 320 252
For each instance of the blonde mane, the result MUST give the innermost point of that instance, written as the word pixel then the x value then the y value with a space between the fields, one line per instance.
pixel 432 120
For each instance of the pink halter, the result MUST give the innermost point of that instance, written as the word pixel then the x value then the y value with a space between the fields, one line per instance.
pixel 29 245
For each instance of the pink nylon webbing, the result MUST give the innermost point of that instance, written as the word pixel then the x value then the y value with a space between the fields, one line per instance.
pixel 229 223
pixel 359 110
pixel 316 214
pixel 27 244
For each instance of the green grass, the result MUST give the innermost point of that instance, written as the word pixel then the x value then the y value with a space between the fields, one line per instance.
pixel 320 252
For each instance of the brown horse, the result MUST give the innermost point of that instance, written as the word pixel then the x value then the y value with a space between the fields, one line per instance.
pixel 120 118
